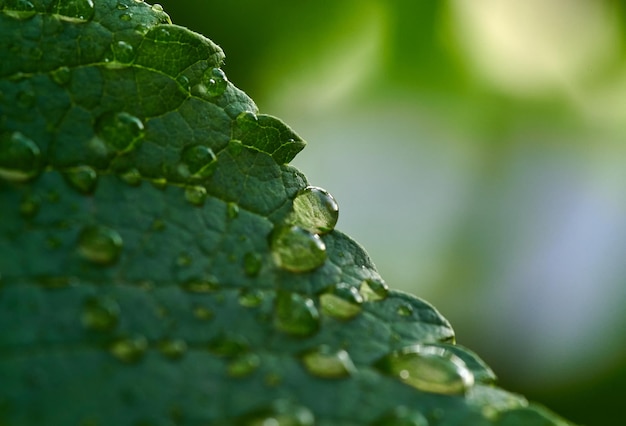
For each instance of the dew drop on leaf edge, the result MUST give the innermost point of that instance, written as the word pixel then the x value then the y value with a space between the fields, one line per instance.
pixel 99 244
pixel 373 290
pixel 215 82
pixel 315 210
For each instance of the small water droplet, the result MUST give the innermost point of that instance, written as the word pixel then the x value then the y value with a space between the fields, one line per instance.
pixel 20 157
pixel 205 285
pixel 29 206
pixel 120 131
pixel 140 28
pixel 315 210
pixel 130 349
pixel 251 298
pixel 184 83
pixel 199 159
pixel 100 313
pixel 82 178
pixel 405 310
pixel 61 75
pixel 244 365
pixel 173 349
pixel 159 183
pixel 327 363
pixel 232 210
pixel 296 249
pixel 162 34
pixel 373 290
pixel 19 9
pixel 196 195
pixel 215 81
pixel 429 369
pixel 228 345
pixel 202 313
pixel 121 6
pixel 157 8
pixel 341 301
pixel 280 413
pixel 252 263
pixel 100 244
pixel 401 416
pixel 123 52
pixel 74 10
pixel 296 314
pixel 131 177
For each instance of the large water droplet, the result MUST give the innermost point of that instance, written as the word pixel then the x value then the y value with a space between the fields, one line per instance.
pixel 19 9
pixel 280 413
pixel 296 314
pixel 74 10
pixel 157 7
pixel 199 160
pixel 82 178
pixel 215 81
pixel 100 244
pixel 401 416
pixel 373 290
pixel 173 349
pixel 204 285
pixel 315 210
pixel 123 52
pixel 429 369
pixel 20 157
pixel 341 301
pixel 244 365
pixel 120 131
pixel 252 263
pixel 327 363
pixel 130 349
pixel 61 75
pixel 297 250
pixel 196 195
pixel 100 313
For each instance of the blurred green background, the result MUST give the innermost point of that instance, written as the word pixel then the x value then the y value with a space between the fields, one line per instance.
pixel 476 149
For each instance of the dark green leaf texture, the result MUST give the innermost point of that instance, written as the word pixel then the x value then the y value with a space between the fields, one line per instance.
pixel 154 267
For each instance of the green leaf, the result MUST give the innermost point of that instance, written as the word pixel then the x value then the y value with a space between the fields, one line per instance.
pixel 162 264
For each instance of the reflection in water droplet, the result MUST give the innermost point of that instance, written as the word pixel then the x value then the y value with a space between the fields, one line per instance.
pixel 296 249
pixel 232 210
pixel 123 52
pixel 120 131
pixel 20 157
pixel 61 76
pixel 173 349
pixel 251 298
pixel 429 369
pixel 315 210
pixel 296 314
pixel 215 81
pixel 130 349
pixel 196 195
pixel 341 301
pixel 252 263
pixel 373 290
pixel 100 313
pixel 244 365
pixel 99 244
pixel 280 413
pixel 82 178
pixel 328 364
pixel 205 285
pixel 199 160
pixel 29 206
pixel 402 416
pixel 19 9
pixel 74 10
pixel 131 177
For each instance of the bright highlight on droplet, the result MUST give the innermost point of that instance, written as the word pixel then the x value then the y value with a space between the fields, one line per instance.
pixel 297 250
pixel 99 244
pixel 315 210
pixel 20 157
pixel 327 363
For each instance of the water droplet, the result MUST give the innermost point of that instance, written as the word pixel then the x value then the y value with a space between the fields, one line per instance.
pixel 373 290
pixel 123 52
pixel 196 195
pixel 205 285
pixel 157 8
pixel 202 313
pixel 100 313
pixel 99 244
pixel 244 365
pixel 251 298
pixel 20 157
pixel 173 349
pixel 121 6
pixel 429 369
pixel 228 345
pixel 405 310
pixel 280 413
pixel 232 210
pixel 184 83
pixel 402 416
pixel 61 76
pixel 120 131
pixel 131 177
pixel 215 81
pixel 159 183
pixel 19 9
pixel 296 314
pixel 140 28
pixel 297 250
pixel 252 263
pixel 341 301
pixel 129 350
pixel 199 159
pixel 327 363
pixel 29 206
pixel 315 210
pixel 82 178
pixel 162 34
pixel 74 10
